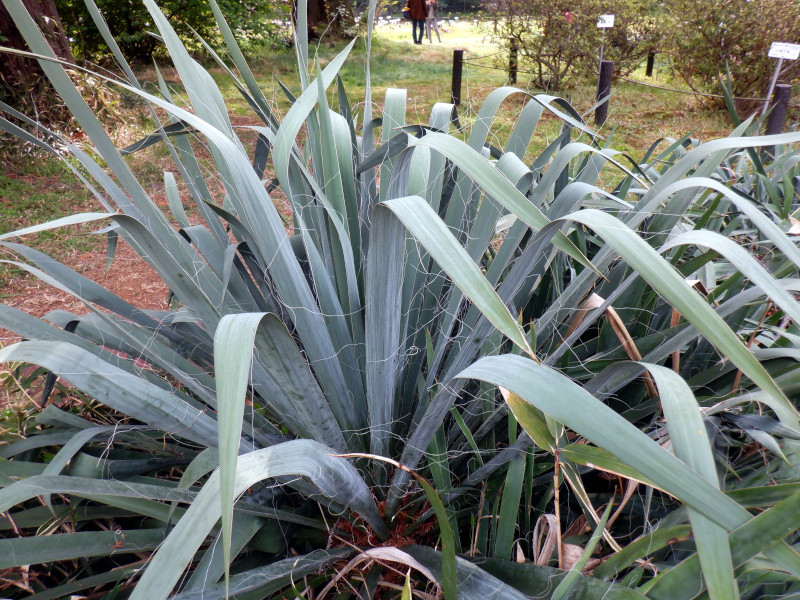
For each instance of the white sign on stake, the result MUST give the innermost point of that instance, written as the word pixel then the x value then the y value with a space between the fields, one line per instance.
pixel 605 21
pixel 782 50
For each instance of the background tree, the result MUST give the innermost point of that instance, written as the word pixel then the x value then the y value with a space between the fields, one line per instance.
pixel 332 18
pixel 21 77
pixel 558 40
pixel 638 30
pixel 708 36
pixel 255 23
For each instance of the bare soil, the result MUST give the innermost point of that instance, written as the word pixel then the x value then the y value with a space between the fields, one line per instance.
pixel 129 277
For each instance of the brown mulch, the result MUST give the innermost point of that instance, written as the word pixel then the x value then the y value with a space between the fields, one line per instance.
pixel 130 278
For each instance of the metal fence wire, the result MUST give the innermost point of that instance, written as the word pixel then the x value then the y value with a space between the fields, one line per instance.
pixel 471 61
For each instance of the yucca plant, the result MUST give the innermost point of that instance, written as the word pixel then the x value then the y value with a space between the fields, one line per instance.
pixel 317 407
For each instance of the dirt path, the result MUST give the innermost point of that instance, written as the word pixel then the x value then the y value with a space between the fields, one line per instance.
pixel 130 278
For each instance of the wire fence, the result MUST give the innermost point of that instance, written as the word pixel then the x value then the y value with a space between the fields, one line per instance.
pixel 471 61
pixel 691 92
pixel 471 58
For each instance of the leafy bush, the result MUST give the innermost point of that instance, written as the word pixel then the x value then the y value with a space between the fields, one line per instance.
pixel 132 26
pixel 430 285
pixel 707 38
pixel 556 41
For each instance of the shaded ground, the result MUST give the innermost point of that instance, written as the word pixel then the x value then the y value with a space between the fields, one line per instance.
pixel 130 277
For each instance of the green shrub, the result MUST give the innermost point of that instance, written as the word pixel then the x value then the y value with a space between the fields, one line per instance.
pixel 557 41
pixel 430 284
pixel 706 38
pixel 133 27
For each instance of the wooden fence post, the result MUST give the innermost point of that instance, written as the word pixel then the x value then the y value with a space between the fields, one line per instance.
pixel 651 59
pixel 458 63
pixel 778 103
pixel 603 91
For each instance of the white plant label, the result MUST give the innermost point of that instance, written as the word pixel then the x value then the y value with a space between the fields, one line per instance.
pixel 605 21
pixel 783 50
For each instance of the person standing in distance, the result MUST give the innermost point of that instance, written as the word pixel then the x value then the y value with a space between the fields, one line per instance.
pixel 417 19
pixel 431 20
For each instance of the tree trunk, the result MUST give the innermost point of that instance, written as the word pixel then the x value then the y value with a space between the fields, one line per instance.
pixel 342 18
pixel 334 18
pixel 21 76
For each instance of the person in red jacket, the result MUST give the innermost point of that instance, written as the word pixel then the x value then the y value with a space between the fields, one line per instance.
pixel 417 19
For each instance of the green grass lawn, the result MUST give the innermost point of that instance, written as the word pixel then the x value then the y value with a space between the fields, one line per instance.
pixel 638 115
